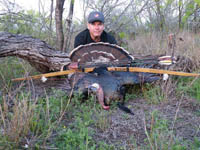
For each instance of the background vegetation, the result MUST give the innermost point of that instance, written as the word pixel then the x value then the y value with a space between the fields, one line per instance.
pixel 167 113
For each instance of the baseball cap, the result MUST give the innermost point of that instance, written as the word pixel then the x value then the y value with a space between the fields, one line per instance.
pixel 95 16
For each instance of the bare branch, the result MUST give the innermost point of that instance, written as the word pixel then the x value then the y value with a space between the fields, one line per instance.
pixel 68 27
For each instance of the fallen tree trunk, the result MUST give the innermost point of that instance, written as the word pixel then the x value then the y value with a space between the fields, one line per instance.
pixel 37 52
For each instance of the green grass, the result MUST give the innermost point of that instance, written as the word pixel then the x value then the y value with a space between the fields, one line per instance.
pixel 161 137
pixel 154 94
pixel 53 122
pixel 189 86
pixel 42 123
pixel 161 92
pixel 12 67
pixel 76 136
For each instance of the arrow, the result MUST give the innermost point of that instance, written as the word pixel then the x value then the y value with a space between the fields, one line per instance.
pixel 125 69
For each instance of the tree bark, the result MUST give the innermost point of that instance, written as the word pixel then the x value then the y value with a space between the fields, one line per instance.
pixel 51 18
pixel 59 26
pixel 196 18
pixel 180 7
pixel 160 16
pixel 37 52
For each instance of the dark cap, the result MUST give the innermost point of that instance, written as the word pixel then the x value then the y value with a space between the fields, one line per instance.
pixel 95 16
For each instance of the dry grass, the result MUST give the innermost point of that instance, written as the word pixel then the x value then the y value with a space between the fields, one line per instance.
pixel 187 48
pixel 154 43
pixel 17 119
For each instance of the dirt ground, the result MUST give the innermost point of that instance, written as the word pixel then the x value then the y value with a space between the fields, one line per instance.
pixel 183 118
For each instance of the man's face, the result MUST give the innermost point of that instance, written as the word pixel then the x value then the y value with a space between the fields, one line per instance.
pixel 96 28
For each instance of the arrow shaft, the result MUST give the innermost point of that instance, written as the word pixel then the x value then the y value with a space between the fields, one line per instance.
pixel 51 74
